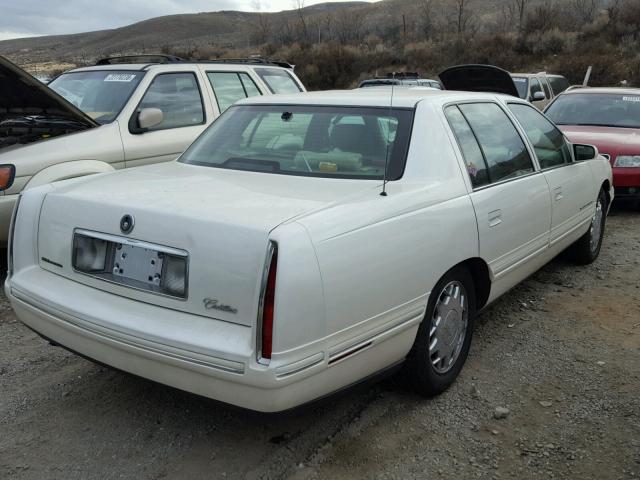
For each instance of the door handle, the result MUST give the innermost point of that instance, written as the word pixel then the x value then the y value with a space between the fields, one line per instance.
pixel 557 193
pixel 495 218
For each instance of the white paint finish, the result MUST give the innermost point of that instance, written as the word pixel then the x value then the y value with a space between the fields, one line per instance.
pixel 222 220
pixel 393 255
pixel 523 208
pixel 66 170
pixel 354 268
pixel 573 200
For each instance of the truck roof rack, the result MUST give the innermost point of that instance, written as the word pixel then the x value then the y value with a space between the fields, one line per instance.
pixel 251 61
pixel 145 58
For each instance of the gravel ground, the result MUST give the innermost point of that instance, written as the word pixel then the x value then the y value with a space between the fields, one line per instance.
pixel 558 358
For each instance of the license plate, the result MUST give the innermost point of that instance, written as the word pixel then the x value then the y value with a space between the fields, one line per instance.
pixel 138 263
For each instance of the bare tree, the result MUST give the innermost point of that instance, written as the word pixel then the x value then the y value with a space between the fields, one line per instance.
pixel 425 15
pixel 299 6
pixel 348 23
pixel 520 7
pixel 463 16
pixel 586 10
pixel 262 28
pixel 505 18
pixel 613 9
pixel 543 17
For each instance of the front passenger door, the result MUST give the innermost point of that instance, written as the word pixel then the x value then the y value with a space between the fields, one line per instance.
pixel 571 202
pixel 179 97
pixel 510 198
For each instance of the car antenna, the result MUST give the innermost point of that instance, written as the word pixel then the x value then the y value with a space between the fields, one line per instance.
pixel 386 158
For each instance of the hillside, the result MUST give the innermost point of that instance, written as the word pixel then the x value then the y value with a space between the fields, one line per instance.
pixel 336 44
pixel 226 29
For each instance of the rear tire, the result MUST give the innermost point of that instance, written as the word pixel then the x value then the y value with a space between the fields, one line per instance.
pixel 587 248
pixel 444 336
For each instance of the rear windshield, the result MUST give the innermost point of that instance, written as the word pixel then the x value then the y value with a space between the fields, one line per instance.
pixel 315 141
pixel 99 94
pixel 608 110
pixel 278 80
pixel 521 84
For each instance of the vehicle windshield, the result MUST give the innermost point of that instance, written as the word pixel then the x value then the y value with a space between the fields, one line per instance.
pixel 99 94
pixel 314 141
pixel 521 84
pixel 598 109
pixel 278 80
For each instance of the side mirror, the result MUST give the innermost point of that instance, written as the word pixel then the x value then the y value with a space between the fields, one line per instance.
pixel 584 152
pixel 538 96
pixel 147 118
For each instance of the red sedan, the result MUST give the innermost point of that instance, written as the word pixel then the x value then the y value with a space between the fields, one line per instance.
pixel 608 118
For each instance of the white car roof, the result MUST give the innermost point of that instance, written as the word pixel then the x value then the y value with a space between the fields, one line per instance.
pixel 370 97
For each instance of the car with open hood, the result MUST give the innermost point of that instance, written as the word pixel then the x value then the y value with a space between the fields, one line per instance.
pixel 306 242
pixel 123 112
pixel 478 78
pixel 532 87
pixel 610 119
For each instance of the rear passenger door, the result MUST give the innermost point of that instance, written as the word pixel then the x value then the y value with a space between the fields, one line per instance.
pixel 511 199
pixel 179 95
pixel 229 87
pixel 566 178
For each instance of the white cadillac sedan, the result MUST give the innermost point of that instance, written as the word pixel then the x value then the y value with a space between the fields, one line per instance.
pixel 304 243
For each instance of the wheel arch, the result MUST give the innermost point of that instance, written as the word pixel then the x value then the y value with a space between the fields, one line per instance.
pixel 606 186
pixel 481 279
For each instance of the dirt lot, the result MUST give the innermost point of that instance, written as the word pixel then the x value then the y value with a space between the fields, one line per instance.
pixel 561 352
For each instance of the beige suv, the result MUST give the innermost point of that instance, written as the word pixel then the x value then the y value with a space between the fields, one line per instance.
pixel 539 88
pixel 117 115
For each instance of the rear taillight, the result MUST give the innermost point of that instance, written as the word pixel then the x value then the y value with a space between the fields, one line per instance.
pixel 268 304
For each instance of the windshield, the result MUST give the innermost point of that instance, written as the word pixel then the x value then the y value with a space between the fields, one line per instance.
pixel 601 109
pixel 521 84
pixel 100 94
pixel 316 141
pixel 278 80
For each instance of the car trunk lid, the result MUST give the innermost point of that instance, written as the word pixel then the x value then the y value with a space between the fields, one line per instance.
pixel 220 218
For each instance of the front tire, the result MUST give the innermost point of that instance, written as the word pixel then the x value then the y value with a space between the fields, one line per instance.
pixel 444 336
pixel 587 248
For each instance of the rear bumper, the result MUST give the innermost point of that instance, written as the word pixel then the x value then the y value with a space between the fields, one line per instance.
pixel 231 375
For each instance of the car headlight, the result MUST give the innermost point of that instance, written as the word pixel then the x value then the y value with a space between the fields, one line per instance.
pixel 627 161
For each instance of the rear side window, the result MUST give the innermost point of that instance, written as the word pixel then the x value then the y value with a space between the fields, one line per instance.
pixel 178 96
pixel 473 159
pixel 278 80
pixel 558 84
pixel 504 152
pixel 229 87
pixel 548 142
